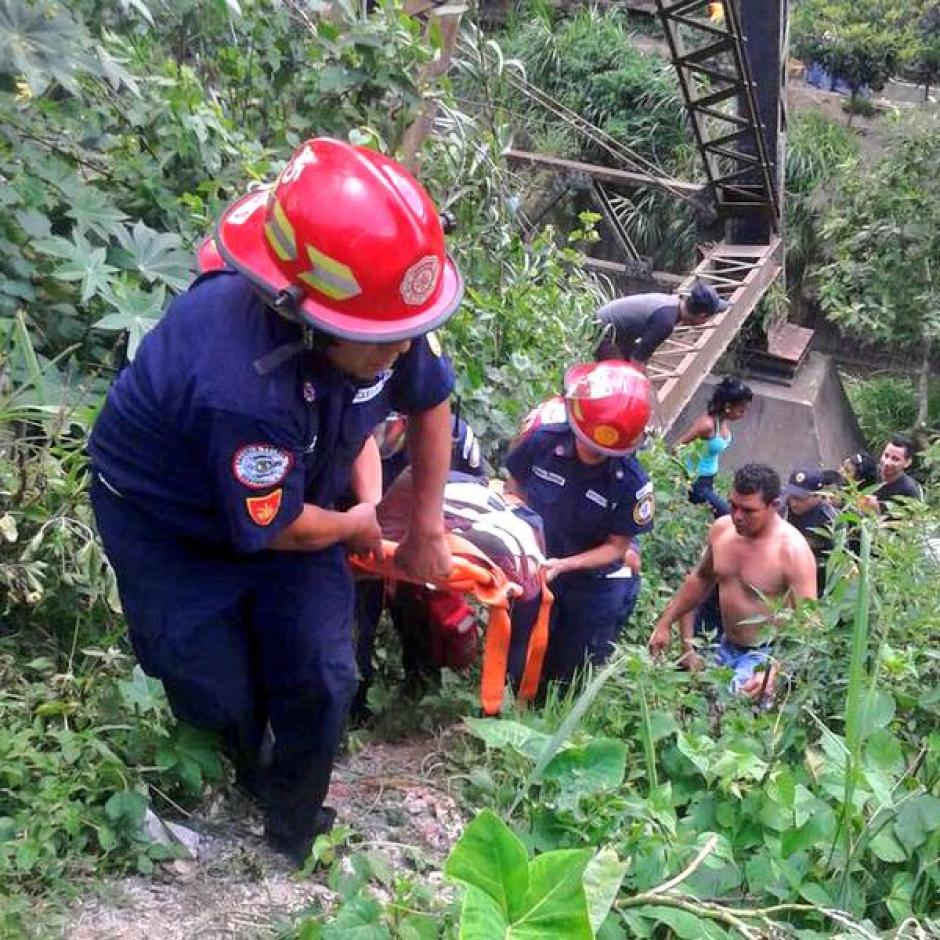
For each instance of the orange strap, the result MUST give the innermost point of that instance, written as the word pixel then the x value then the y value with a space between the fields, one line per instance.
pixel 473 572
pixel 538 643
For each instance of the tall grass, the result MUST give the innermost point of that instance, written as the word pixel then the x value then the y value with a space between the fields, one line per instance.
pixel 858 696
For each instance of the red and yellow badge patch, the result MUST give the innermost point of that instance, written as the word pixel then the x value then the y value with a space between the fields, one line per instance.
pixel 263 509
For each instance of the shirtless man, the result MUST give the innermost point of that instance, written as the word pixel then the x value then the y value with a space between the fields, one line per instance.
pixel 751 554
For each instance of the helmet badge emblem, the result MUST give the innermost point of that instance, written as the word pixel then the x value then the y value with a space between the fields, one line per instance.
pixel 420 280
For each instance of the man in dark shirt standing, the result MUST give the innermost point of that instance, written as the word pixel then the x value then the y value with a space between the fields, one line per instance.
pixel 896 458
pixel 634 327
pixel 806 509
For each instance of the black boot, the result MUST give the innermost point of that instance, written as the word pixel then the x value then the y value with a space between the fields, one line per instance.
pixel 296 842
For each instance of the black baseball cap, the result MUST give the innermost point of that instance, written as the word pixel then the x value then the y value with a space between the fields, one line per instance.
pixel 805 483
pixel 704 299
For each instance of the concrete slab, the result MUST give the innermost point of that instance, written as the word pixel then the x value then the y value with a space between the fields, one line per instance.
pixel 808 423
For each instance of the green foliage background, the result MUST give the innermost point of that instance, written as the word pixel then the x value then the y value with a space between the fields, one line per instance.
pixel 123 131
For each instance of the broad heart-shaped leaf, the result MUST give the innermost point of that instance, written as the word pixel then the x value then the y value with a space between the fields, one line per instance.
pixel 482 917
pixel 156 256
pixel 489 857
pixel 556 905
pixel 597 766
pixel 495 732
pixel 602 880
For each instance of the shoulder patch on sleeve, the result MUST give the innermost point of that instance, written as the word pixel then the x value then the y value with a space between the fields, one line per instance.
pixel 644 509
pixel 645 490
pixel 263 509
pixel 434 344
pixel 259 466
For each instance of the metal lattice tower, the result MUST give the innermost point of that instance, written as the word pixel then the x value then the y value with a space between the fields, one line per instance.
pixel 715 78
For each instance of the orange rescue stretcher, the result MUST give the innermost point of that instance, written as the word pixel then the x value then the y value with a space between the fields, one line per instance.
pixel 476 574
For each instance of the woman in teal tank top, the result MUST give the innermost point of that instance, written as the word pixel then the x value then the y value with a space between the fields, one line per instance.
pixel 712 434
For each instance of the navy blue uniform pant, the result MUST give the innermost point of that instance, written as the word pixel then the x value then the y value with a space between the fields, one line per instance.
pixel 241 640
pixel 588 616
pixel 702 490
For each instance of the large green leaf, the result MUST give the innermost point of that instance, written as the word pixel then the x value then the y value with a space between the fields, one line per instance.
pixel 556 905
pixel 602 879
pixel 510 897
pixel 917 819
pixel 156 256
pixel 499 733
pixel 482 917
pixel 91 209
pixel 489 857
pixel 597 766
pixel 137 328
pixel 41 43
pixel 80 262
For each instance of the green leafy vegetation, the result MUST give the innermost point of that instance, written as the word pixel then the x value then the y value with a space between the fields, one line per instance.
pixel 645 802
pixel 590 63
pixel 887 405
pixel 819 151
pixel 863 43
pixel 882 283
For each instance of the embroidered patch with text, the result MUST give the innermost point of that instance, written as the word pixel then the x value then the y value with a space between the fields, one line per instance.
pixel 259 466
pixel 263 509
pixel 548 475
pixel 368 393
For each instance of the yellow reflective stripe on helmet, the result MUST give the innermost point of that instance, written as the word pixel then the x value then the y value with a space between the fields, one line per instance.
pixel 330 277
pixel 280 233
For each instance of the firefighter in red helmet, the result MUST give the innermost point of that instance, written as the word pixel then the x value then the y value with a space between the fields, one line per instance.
pixel 575 465
pixel 220 454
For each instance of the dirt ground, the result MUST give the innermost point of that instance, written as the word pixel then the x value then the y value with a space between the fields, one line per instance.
pixel 393 796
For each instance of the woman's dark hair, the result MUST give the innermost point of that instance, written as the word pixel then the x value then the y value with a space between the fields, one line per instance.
pixel 729 391
pixel 864 469
pixel 831 478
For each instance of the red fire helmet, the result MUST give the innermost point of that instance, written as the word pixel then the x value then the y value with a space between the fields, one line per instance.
pixel 347 240
pixel 608 405
pixel 208 257
pixel 551 411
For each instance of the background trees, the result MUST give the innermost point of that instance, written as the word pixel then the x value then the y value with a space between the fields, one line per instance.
pixel 861 42
pixel 883 281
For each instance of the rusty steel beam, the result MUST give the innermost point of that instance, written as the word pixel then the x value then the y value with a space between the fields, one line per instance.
pixel 604 174
pixel 741 274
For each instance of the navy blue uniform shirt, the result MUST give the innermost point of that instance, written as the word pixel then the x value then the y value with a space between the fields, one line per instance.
pixel 581 504
pixel 215 452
